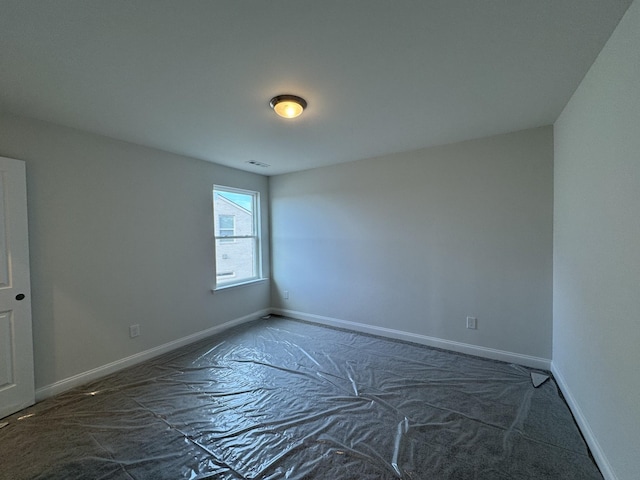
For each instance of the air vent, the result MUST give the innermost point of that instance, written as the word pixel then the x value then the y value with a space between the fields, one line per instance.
pixel 258 164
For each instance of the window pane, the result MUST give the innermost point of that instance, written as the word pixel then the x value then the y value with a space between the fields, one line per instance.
pixel 236 262
pixel 244 200
pixel 235 215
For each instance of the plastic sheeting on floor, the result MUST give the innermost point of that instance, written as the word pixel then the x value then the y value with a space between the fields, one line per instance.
pixel 281 399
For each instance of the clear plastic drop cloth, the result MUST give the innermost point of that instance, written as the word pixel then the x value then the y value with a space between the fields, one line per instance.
pixel 278 399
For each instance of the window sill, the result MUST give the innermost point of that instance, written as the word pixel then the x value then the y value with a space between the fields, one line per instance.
pixel 237 285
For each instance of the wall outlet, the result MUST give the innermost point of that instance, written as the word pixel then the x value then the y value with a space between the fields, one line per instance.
pixel 285 294
pixel 472 323
pixel 134 330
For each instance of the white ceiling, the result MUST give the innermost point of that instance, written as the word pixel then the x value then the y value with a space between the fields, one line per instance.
pixel 380 76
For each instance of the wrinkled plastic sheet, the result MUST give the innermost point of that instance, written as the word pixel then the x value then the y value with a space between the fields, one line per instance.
pixel 279 398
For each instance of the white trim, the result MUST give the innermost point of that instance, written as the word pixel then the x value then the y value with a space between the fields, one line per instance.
pixel 601 460
pixel 93 374
pixel 485 352
pixel 241 284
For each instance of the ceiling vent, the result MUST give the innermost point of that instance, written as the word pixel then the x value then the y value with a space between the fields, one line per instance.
pixel 258 164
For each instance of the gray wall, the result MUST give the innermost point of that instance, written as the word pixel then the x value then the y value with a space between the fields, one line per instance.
pixel 119 234
pixel 417 241
pixel 596 334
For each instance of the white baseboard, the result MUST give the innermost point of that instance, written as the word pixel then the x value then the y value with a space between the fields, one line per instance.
pixel 93 374
pixel 510 357
pixel 605 467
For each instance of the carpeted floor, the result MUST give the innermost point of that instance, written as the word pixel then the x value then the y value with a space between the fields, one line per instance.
pixel 279 398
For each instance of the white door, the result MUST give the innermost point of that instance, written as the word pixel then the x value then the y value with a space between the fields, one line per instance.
pixel 16 343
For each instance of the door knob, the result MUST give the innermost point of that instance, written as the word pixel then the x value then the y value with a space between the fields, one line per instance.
pixel 20 296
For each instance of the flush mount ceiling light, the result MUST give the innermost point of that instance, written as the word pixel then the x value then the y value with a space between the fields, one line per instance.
pixel 288 106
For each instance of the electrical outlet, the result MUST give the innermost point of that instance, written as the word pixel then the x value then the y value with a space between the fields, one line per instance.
pixel 134 330
pixel 472 323
pixel 285 294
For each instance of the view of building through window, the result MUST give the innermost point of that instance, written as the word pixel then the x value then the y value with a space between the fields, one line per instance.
pixel 227 227
pixel 236 224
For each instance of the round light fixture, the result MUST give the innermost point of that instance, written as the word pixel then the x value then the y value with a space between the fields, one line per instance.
pixel 288 106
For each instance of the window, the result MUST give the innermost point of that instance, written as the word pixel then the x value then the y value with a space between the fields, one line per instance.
pixel 237 235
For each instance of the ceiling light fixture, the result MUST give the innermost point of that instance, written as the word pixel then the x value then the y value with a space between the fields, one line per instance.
pixel 288 106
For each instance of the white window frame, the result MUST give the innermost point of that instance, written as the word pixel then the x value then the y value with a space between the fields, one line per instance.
pixel 257 267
